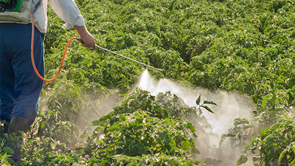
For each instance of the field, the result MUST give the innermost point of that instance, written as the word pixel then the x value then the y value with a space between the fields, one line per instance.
pixel 244 46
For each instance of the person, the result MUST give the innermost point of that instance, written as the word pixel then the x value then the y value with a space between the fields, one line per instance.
pixel 19 85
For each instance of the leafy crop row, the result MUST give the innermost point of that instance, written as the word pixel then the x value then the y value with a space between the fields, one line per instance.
pixel 242 45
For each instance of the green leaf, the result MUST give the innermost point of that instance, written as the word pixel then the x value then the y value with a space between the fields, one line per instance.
pixel 210 102
pixel 239 121
pixel 207 108
pixel 95 123
pixel 8 150
pixel 243 159
pixel 191 127
pixel 185 145
pixel 263 105
pixel 198 100
pixel 282 155
pixel 50 112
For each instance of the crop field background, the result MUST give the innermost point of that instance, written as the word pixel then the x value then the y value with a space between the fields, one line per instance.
pixel 226 95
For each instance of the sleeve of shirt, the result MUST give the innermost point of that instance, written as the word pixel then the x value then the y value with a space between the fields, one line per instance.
pixel 68 11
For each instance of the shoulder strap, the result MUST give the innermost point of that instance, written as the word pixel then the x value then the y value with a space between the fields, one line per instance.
pixel 37 6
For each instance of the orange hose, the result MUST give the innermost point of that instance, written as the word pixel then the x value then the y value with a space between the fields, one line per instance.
pixel 32 51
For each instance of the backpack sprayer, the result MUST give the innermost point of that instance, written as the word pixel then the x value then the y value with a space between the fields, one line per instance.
pixel 11 11
pixel 11 5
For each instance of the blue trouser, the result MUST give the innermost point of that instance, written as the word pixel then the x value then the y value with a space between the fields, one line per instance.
pixel 19 85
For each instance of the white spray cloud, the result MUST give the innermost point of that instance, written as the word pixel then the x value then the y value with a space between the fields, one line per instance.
pixel 231 105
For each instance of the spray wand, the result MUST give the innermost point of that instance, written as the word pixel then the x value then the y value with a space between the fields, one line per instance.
pixel 65 52
pixel 143 64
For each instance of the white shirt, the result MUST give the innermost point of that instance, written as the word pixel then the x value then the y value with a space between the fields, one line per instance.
pixel 67 10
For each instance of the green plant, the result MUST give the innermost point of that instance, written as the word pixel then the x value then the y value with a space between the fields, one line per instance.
pixel 143 129
pixel 275 145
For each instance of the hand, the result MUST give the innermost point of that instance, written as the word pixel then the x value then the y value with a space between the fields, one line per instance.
pixel 88 41
pixel 86 38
